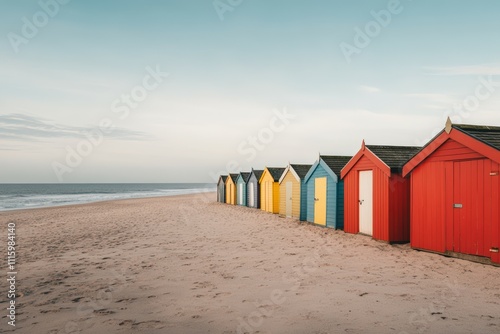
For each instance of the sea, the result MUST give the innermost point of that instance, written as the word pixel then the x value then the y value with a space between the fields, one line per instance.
pixel 27 196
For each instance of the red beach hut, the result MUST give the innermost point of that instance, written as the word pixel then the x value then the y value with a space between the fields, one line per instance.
pixel 376 198
pixel 455 185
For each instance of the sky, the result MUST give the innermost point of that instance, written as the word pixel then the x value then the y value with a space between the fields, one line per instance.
pixel 182 91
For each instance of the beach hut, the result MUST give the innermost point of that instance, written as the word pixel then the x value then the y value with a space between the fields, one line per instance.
pixel 377 197
pixel 270 189
pixel 241 188
pixel 253 189
pixel 221 189
pixel 231 189
pixel 325 192
pixel 293 192
pixel 455 200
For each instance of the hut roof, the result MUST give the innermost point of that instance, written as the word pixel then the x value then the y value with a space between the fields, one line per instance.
pixel 489 135
pixel 394 156
pixel 335 162
pixel 245 176
pixel 301 170
pixel 484 134
pixel 258 173
pixel 276 172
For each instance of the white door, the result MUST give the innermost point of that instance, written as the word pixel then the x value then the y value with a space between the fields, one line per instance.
pixel 288 199
pixel 366 202
pixel 250 195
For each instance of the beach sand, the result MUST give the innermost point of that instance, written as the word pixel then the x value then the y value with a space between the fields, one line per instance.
pixel 187 264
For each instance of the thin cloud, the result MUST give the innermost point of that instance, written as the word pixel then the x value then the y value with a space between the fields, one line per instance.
pixel 486 69
pixel 26 128
pixel 436 98
pixel 370 89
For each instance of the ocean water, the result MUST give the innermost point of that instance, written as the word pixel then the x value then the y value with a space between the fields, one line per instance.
pixel 26 196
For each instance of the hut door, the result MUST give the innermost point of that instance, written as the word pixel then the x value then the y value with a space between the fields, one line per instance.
pixel 366 202
pixel 270 197
pixel 288 198
pixel 468 204
pixel 233 191
pixel 265 198
pixel 320 201
pixel 268 200
pixel 241 194
pixel 250 196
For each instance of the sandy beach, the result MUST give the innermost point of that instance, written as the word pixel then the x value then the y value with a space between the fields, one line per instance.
pixel 187 264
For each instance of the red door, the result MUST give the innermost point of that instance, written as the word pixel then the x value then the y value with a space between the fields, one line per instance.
pixel 468 207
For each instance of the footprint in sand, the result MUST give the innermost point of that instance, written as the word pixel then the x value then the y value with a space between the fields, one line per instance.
pixel 220 294
pixel 48 311
pixel 126 300
pixel 104 312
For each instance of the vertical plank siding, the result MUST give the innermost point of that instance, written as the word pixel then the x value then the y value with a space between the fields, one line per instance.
pixel 455 174
pixel 340 204
pixel 303 201
pixel 269 193
pixel 428 219
pixel 399 208
pixel 380 205
pixel 230 191
pixel 241 185
pixel 331 202
pixel 221 191
pixel 296 195
pixel 351 195
pixel 494 219
pixel 253 183
pixel 391 203
pixel 276 197
pixel 449 201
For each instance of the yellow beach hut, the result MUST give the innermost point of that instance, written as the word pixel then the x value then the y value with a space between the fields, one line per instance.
pixel 293 192
pixel 270 189
pixel 231 189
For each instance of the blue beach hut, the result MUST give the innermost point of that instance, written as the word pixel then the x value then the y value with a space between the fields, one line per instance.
pixel 325 192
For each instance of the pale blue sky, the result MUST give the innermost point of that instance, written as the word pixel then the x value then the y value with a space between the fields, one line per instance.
pixel 226 79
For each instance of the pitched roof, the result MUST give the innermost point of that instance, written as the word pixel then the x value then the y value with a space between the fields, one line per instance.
pixel 234 177
pixel 245 176
pixel 489 135
pixel 224 178
pixel 394 156
pixel 258 173
pixel 276 172
pixel 301 170
pixel 335 162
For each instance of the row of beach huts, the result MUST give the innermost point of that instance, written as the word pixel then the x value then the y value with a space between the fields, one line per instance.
pixel 443 197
